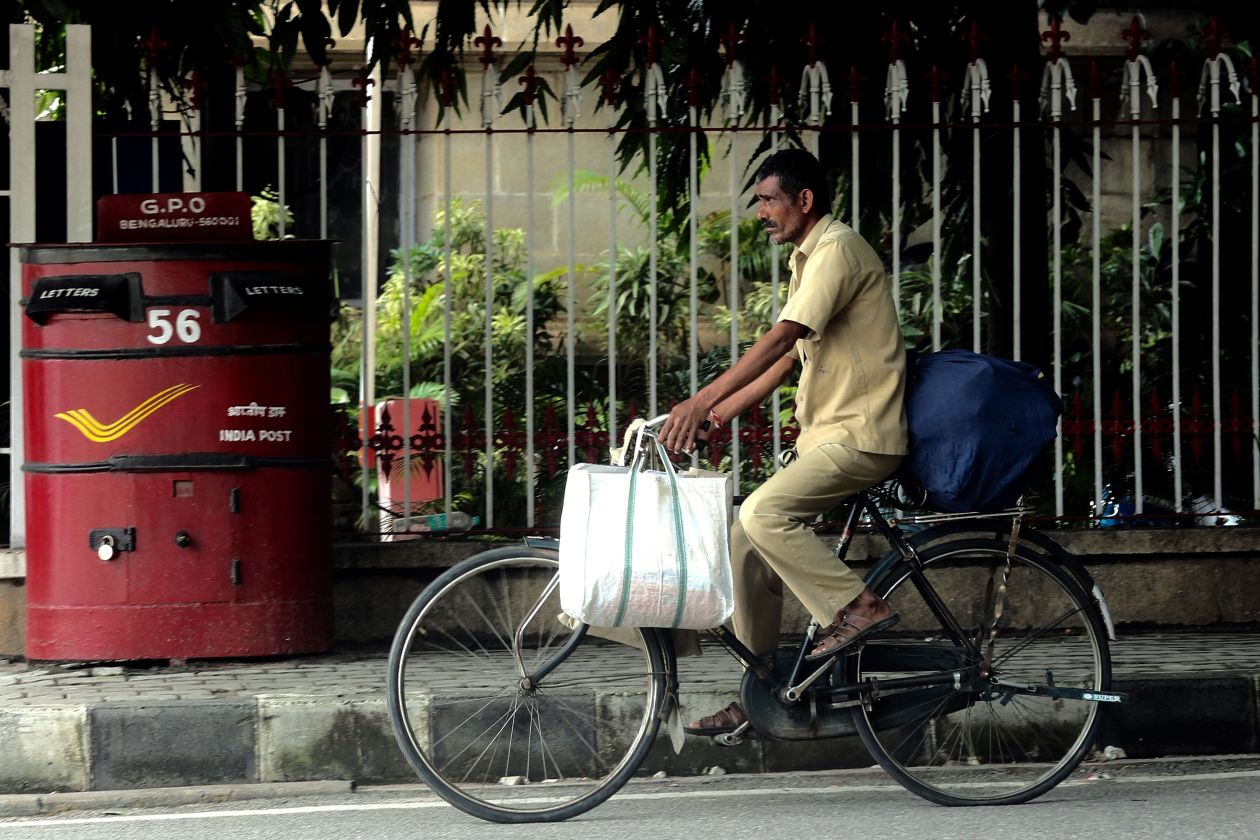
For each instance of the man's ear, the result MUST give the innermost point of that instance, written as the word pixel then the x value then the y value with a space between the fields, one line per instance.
pixel 806 199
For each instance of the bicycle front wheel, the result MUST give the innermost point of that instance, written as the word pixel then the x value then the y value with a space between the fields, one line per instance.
pixel 480 726
pixel 1013 730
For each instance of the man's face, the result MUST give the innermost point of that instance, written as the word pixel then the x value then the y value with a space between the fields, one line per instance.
pixel 782 217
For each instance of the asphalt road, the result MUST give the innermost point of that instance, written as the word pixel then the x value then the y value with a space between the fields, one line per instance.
pixel 1142 802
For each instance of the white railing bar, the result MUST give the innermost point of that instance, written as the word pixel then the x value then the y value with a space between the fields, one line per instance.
pixel 155 121
pixel 280 167
pixel 570 342
pixel 975 223
pixel 22 161
pixel 325 93
pixel 78 83
pixel 896 205
pixel 735 192
pixel 1016 290
pixel 693 297
pixel 937 308
pixel 653 248
pixel 489 321
pixel 190 146
pixel 371 229
pixel 447 385
pixel 1096 304
pixel 529 320
pixel 407 230
pixel 855 166
pixel 1217 483
pixel 241 95
pixel 1133 74
pixel 776 406
pixel 1057 81
pixel 1175 218
pixel 612 274
pixel 1255 302
pixel 1057 305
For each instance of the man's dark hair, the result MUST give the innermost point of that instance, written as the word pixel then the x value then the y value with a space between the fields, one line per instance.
pixel 797 170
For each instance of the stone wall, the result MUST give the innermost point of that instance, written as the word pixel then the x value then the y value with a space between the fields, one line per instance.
pixel 1174 578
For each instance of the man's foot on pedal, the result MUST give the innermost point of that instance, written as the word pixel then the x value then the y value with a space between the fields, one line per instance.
pixel 857 621
pixel 727 720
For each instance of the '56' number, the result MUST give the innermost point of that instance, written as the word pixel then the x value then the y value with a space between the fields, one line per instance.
pixel 186 327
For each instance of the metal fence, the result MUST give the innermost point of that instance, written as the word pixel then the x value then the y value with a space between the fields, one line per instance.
pixel 1170 421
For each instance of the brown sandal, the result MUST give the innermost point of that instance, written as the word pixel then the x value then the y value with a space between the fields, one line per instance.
pixel 846 631
pixel 727 720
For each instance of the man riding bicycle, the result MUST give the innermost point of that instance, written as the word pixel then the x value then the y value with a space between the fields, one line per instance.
pixel 840 322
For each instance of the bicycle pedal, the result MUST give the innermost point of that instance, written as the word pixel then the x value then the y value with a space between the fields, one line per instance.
pixel 733 738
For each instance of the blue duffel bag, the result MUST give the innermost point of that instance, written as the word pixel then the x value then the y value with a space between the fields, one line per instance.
pixel 977 426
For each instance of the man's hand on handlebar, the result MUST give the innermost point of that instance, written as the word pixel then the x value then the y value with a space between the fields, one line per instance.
pixel 686 424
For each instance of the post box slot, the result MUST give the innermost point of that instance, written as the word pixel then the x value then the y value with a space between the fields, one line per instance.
pixel 234 292
pixel 117 294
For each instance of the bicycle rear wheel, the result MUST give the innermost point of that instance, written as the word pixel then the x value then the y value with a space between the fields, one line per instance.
pixel 478 734
pixel 992 740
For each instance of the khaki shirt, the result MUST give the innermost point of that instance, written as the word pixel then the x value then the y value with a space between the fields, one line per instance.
pixel 852 387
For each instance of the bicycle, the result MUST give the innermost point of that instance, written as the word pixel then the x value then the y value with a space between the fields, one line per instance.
pixel 990 692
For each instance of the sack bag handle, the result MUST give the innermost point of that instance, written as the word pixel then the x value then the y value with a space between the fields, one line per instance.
pixel 675 509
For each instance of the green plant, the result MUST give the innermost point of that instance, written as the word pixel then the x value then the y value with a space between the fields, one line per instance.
pixel 264 215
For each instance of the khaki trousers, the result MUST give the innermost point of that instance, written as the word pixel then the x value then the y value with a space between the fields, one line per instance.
pixel 773 545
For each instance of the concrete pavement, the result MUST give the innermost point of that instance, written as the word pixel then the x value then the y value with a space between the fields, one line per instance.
pixel 99 728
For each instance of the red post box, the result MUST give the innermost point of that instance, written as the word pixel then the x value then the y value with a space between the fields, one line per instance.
pixel 178 457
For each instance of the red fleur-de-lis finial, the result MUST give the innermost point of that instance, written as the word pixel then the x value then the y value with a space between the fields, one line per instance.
pixel 153 43
pixel 732 41
pixel 1174 78
pixel 404 43
pixel 973 36
pixel 1213 35
pixel 487 40
pixel 894 38
pixel 1017 75
pixel 937 77
pixel 279 83
pixel 363 81
pixel 1056 37
pixel 694 82
pixel 855 78
pixel 570 42
pixel 811 39
pixel 1135 35
pixel 610 82
pixel 1095 81
pixel 776 84
pixel 650 40
pixel 530 81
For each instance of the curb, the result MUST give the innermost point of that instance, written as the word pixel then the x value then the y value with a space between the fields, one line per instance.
pixel 260 744
pixel 42 804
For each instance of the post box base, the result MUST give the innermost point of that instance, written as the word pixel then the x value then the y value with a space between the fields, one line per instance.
pixel 177 631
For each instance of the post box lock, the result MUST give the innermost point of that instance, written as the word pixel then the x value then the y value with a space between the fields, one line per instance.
pixel 108 542
pixel 183 539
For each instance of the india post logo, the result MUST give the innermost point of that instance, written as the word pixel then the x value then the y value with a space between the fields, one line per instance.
pixel 98 432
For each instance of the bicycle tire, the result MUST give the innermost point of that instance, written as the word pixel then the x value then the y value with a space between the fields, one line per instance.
pixel 451 667
pixel 957 746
